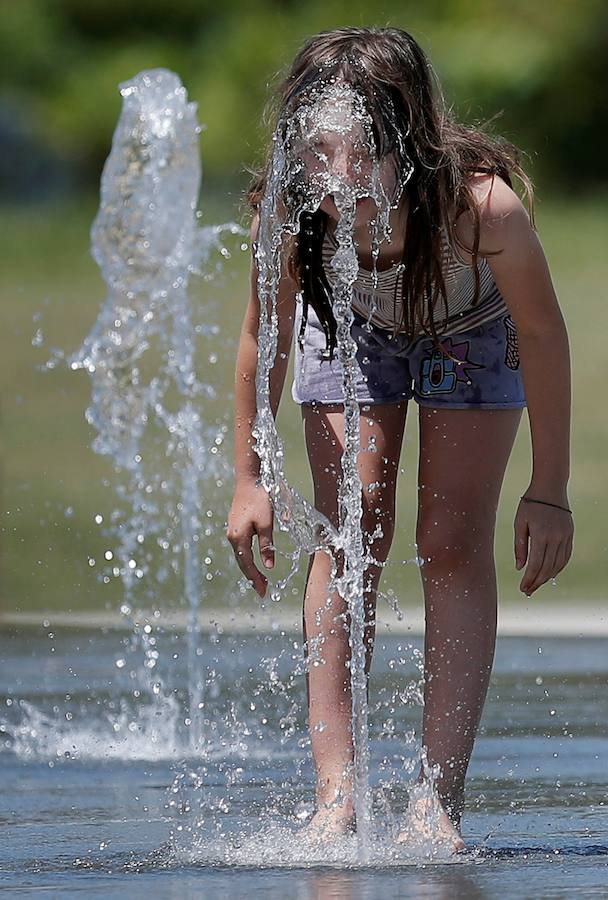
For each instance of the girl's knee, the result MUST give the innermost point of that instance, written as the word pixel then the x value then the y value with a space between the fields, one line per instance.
pixel 378 530
pixel 444 540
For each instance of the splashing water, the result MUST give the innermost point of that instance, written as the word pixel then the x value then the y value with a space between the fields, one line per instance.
pixel 146 242
pixel 300 172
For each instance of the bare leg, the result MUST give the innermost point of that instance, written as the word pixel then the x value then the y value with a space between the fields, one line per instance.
pixel 463 456
pixel 325 625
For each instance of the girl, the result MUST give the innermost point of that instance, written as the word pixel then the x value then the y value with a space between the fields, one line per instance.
pixel 456 311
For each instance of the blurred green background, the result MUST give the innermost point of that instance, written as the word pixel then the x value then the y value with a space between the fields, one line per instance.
pixel 542 67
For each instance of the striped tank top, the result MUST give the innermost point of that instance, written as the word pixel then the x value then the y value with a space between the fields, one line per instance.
pixel 380 300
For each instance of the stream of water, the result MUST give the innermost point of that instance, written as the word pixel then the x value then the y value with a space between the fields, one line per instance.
pixel 302 174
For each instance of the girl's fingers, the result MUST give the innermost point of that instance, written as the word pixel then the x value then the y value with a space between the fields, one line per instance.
pixel 535 564
pixel 559 552
pixel 548 567
pixel 266 546
pixel 561 558
pixel 520 547
pixel 552 564
pixel 563 555
pixel 243 551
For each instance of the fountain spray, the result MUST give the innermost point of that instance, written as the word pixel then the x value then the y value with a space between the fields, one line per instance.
pixel 147 243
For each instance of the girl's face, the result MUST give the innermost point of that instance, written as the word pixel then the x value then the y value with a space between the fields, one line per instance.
pixel 335 155
pixel 353 164
pixel 336 160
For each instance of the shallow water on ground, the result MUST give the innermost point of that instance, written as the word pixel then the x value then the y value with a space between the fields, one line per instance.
pixel 87 769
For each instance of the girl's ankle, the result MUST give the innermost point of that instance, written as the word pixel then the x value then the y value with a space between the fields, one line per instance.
pixel 336 801
pixel 453 805
pixel 452 801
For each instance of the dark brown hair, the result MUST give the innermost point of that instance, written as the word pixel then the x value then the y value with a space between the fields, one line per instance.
pixel 403 96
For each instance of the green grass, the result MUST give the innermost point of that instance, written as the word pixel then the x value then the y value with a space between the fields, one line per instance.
pixel 48 466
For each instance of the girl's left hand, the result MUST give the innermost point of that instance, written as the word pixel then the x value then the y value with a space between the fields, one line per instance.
pixel 543 538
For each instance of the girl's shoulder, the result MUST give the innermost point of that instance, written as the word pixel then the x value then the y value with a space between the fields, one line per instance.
pixel 498 207
pixel 494 198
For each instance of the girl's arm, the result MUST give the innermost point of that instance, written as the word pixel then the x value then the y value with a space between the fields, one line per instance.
pixel 251 510
pixel 543 534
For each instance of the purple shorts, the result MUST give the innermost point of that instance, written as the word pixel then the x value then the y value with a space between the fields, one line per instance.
pixel 487 374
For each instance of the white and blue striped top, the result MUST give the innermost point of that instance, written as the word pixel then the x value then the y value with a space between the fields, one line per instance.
pixel 377 300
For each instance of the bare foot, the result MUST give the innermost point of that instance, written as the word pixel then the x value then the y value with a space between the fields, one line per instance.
pixel 330 821
pixel 427 825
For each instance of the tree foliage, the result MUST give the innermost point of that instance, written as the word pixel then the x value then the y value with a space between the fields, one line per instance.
pixel 540 68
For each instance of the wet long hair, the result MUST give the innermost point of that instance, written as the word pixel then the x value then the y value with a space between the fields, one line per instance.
pixel 403 97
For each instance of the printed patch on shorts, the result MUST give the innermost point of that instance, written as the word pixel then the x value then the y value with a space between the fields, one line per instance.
pixel 512 345
pixel 439 374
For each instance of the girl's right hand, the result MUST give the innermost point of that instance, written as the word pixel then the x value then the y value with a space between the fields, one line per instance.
pixel 251 513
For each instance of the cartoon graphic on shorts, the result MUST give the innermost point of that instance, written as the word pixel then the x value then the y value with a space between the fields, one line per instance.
pixel 512 347
pixel 439 374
